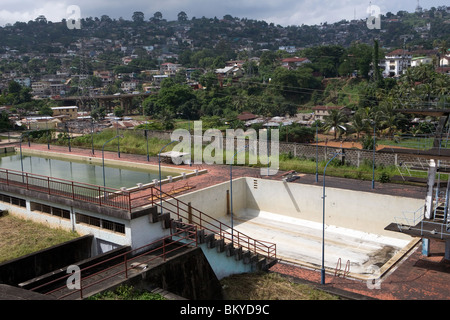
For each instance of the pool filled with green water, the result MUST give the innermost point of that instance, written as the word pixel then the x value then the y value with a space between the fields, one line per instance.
pixel 80 171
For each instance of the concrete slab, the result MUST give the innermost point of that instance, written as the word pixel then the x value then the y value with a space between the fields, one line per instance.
pixel 300 242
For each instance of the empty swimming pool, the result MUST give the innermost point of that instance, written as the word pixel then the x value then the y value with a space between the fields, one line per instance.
pixel 290 215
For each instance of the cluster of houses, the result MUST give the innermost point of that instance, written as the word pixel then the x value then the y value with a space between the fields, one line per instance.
pixel 319 113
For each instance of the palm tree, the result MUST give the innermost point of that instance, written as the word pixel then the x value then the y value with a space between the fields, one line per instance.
pixel 442 47
pixel 359 122
pixel 335 120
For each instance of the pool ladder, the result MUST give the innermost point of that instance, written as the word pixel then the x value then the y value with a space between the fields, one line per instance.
pixel 339 266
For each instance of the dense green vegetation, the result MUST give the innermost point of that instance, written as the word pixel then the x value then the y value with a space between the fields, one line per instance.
pixel 270 286
pixel 124 292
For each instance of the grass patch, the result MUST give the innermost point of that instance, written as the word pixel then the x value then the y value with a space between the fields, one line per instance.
pixel 19 237
pixel 124 292
pixel 269 286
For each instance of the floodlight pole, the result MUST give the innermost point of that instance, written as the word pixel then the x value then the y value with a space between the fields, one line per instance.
pixel 317 152
pixel 103 159
pixel 146 138
pixel 92 135
pixel 231 192
pixel 322 278
pixel 48 141
pixel 160 183
pixel 373 160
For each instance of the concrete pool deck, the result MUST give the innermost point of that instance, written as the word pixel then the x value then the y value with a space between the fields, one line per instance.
pixel 414 277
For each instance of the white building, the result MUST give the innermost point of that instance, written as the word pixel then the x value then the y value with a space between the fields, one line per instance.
pixel 445 61
pixel 396 63
pixel 417 61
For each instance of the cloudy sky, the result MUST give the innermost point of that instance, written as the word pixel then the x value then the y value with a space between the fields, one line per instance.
pixel 283 12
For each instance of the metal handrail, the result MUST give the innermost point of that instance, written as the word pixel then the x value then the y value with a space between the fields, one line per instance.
pixel 415 221
pixel 215 226
pixel 191 238
pixel 68 189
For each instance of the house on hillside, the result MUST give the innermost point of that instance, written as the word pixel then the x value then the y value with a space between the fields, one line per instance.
pixel 445 60
pixel 246 116
pixel 294 62
pixel 229 72
pixel 70 112
pixel 321 112
pixel 417 61
pixel 170 68
pixel 106 76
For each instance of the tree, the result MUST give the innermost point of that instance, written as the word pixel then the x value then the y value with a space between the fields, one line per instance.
pixel 182 16
pixel 5 123
pixel 118 112
pixel 335 121
pixel 359 122
pixel 157 16
pixel 138 17
pixel 46 110
pixel 376 67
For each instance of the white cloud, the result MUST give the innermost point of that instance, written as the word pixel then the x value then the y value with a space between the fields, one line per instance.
pixel 284 12
pixel 52 10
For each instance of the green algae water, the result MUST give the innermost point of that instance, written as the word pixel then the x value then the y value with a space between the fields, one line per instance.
pixel 115 177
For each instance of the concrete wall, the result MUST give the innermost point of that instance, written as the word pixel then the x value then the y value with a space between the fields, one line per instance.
pixel 214 200
pixel 145 232
pixel 36 264
pixel 68 224
pixel 223 265
pixel 362 211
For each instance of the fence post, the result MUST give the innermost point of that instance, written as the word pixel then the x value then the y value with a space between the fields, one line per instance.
pixel 126 268
pixel 164 250
pixel 48 184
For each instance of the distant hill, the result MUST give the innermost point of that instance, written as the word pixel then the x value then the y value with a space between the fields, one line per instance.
pixel 416 29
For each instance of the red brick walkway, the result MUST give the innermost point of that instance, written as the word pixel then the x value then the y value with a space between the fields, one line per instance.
pixel 416 278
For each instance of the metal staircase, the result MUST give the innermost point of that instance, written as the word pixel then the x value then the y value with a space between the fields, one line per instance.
pixel 212 232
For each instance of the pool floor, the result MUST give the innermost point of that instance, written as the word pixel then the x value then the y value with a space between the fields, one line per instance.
pixel 300 242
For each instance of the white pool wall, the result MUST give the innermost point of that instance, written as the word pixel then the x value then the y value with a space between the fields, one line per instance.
pixel 362 211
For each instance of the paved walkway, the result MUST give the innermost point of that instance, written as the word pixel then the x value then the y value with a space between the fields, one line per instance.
pixel 416 277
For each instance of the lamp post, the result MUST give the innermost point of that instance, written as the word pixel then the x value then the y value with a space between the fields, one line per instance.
pixel 317 152
pixel 159 164
pixel 68 136
pixel 20 147
pixel 146 138
pixel 373 160
pixel 322 278
pixel 231 192
pixel 118 141
pixel 92 135
pixel 103 159
pixel 48 136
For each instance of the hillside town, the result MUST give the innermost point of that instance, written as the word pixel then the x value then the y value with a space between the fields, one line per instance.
pixel 114 69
